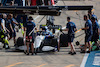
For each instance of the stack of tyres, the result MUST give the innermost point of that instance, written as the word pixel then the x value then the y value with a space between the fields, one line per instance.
pixel 64 40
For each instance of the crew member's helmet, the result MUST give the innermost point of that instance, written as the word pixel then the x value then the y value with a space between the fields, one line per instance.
pixel 43 27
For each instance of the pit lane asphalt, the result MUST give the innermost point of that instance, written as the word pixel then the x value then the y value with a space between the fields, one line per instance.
pixel 10 58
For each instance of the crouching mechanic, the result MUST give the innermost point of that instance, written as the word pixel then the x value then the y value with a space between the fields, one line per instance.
pixel 3 35
pixel 29 26
pixel 71 28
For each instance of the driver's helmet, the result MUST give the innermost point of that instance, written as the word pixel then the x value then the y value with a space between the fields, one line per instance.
pixel 45 28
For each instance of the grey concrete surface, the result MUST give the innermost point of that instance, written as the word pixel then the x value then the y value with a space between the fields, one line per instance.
pixel 9 58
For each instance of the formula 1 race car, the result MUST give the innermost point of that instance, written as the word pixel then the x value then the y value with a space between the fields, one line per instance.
pixel 44 41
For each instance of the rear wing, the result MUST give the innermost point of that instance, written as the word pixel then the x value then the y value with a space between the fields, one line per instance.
pixel 41 10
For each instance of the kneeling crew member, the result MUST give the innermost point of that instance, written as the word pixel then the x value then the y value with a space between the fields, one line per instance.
pixel 3 35
pixel 71 28
pixel 30 39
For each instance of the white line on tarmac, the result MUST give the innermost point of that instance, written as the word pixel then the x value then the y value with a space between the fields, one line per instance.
pixel 37 17
pixel 84 60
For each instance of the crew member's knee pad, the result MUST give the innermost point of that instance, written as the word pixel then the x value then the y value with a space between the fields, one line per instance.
pixel 5 41
pixel 2 36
